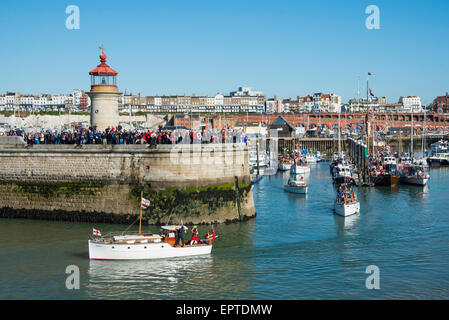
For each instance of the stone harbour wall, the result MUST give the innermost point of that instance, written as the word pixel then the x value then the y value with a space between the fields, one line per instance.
pixel 193 183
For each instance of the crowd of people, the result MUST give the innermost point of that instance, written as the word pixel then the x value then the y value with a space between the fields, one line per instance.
pixel 81 136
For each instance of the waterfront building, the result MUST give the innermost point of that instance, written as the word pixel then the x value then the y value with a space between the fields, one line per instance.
pixel 104 96
pixel 441 104
pixel 14 101
pixel 284 128
pixel 320 102
pixel 273 105
pixel 305 104
pixel 191 121
pixel 2 102
pixel 375 104
pixel 242 100
pixel 411 104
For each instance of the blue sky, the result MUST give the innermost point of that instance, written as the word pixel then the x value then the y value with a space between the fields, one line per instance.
pixel 283 48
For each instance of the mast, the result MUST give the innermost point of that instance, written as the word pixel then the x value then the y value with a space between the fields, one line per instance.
pixel 140 218
pixel 358 94
pixel 411 137
pixel 367 116
pixel 374 131
pixel 339 137
pixel 423 134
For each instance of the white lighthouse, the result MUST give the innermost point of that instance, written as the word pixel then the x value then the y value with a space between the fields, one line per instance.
pixel 104 96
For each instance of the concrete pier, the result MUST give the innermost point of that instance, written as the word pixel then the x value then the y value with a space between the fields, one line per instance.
pixel 195 183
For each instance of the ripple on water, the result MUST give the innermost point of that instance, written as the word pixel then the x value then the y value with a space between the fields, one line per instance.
pixel 295 248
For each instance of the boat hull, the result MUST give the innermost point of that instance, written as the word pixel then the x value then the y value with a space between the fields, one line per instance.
pixel 386 180
pixel 436 162
pixel 414 180
pixel 143 251
pixel 298 190
pixel 347 209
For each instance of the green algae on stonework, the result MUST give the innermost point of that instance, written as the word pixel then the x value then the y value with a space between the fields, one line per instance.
pixel 191 201
pixel 56 189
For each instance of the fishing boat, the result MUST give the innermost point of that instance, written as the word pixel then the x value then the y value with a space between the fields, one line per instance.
pixel 144 246
pixel 346 203
pixel 296 185
pixel 386 174
pixel 414 174
pixel 386 180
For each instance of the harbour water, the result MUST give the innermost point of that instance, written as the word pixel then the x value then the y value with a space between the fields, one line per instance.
pixel 295 248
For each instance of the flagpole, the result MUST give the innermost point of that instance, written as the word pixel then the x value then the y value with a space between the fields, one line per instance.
pixel 367 115
pixel 140 219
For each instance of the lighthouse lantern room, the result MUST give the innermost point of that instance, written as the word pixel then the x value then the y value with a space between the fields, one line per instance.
pixel 103 75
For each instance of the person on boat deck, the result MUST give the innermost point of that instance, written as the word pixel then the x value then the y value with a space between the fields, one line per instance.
pixel 194 239
pixel 340 192
pixel 210 237
pixel 180 235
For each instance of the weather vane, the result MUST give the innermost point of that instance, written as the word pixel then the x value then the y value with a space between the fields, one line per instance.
pixel 101 48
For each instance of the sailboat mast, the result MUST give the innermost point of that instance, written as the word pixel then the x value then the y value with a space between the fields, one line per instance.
pixel 140 218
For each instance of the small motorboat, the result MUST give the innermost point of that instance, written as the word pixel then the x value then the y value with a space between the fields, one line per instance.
pixel 346 203
pixel 144 246
pixel 414 174
pixel 296 185
pixel 147 245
